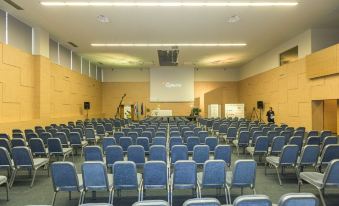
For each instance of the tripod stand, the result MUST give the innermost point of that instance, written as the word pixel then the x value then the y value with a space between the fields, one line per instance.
pixel 254 115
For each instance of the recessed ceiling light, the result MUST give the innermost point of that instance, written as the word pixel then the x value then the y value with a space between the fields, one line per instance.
pixel 233 19
pixel 103 19
pixel 167 4
pixel 172 44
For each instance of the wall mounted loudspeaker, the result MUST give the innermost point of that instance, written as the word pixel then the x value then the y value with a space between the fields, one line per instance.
pixel 87 105
pixel 260 104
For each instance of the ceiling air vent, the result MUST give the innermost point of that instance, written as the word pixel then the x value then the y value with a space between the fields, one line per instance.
pixel 72 44
pixel 168 57
pixel 13 4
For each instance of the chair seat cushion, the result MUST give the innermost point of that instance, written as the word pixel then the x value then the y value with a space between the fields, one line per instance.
pixel 151 203
pixel 181 186
pixel 38 162
pixel 273 160
pixel 67 150
pixel 314 178
pixel 250 150
pixel 3 179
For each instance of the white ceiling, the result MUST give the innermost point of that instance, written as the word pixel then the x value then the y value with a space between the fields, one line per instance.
pixel 261 28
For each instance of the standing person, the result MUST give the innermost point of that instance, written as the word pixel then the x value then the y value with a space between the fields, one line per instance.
pixel 270 115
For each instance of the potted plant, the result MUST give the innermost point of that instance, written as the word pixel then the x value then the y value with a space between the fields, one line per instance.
pixel 195 111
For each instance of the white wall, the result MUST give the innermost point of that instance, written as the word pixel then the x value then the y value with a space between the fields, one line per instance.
pixel 270 59
pixel 143 75
pixel 324 37
pixel 41 42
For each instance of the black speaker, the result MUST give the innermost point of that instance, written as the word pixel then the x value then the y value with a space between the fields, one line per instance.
pixel 260 105
pixel 87 105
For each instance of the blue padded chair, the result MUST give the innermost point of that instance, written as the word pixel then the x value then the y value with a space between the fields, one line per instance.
pixel 175 133
pixel 45 136
pixel 213 176
pixel 223 152
pixel 6 144
pixel 260 147
pixel 23 159
pixel 108 128
pixel 255 135
pixel 287 135
pixel 201 154
pixel 243 175
pixel 271 135
pixel 77 142
pixel 65 179
pixel 212 142
pixel 300 129
pixel 90 135
pixel 136 154
pixel 118 135
pixel 6 162
pixel 100 131
pixel 55 149
pixel 231 134
pixel 160 134
pixel 202 136
pixel 3 180
pixel 63 138
pixel 299 133
pixel 329 153
pixel 4 136
pixel 252 200
pixel 37 147
pixel 313 133
pixel 308 157
pixel 175 141
pixel 191 143
pixel 330 140
pixel 296 140
pixel 17 142
pixel 144 142
pixel 287 158
pixel 138 130
pixel 18 136
pixel 159 141
pixel 30 136
pixel 125 142
pixel 243 141
pixel 293 199
pixel 125 177
pixel 179 152
pixel 187 134
pixel 155 176
pixel 95 178
pixel 151 203
pixel 324 134
pixel 134 135
pixel 93 153
pixel 107 141
pixel 202 202
pixel 184 177
pixel 313 140
pixel 329 178
pixel 148 135
pixel 158 153
pixel 196 130
pixel 125 131
pixel 278 143
pixel 114 153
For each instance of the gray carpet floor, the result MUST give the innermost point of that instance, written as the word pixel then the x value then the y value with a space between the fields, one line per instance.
pixel 42 191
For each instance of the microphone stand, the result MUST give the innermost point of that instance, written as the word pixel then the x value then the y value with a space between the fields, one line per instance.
pixel 118 108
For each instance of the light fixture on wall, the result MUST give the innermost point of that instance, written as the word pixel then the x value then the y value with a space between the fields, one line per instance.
pixel 170 45
pixel 168 4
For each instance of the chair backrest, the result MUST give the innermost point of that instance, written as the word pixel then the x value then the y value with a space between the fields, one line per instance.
pixel 134 135
pixel 175 141
pixel 6 144
pixel 114 153
pixel 124 131
pixel 212 142
pixel 296 140
pixel 64 177
pixel 201 153
pixel 30 136
pixel 252 200
pixel 185 174
pixel 54 146
pixel 155 174
pixel 37 146
pixel 18 136
pixel 174 133
pixel 313 140
pixel 244 173
pixel 157 153
pixel 309 155
pixel 107 141
pixel 196 130
pixel 93 153
pixel 94 175
pixel 223 152
pixel 244 138
pixel 312 133
pixel 214 173
pixel 261 145
pixel 136 154
pixel 231 132
pixel 330 140
pixel 277 145
pixel 5 159
pixel 179 152
pixel 202 136
pixel 287 135
pixel 16 142
pixel 63 138
pixel 101 130
pixel 89 134
pixel 329 153
pixel 255 136
pixel 159 141
pixel 144 142
pixel 191 142
pixel 289 155
pixel 22 156
pixel 75 138
pixel 331 177
pixel 293 199
pixel 118 135
pixel 324 134
pixel 4 136
pixel 125 142
pixel 125 175
pixel 45 136
pixel 299 133
pixel 202 202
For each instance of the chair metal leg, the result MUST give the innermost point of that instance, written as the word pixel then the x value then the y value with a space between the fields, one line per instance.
pixel 83 197
pixel 229 196
pixel 72 156
pixel 69 195
pixel 265 168
pixel 254 191
pixel 80 198
pixel 34 173
pixel 322 197
pixel 112 196
pixel 277 169
pixel 54 197
pixel 7 190
pixel 13 178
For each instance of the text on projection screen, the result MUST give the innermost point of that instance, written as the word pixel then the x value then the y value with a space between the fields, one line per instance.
pixel 172 84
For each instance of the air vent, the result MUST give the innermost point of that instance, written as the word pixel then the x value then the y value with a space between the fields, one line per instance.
pixel 72 44
pixel 168 57
pixel 13 4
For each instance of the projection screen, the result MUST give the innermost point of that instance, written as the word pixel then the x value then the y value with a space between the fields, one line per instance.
pixel 171 84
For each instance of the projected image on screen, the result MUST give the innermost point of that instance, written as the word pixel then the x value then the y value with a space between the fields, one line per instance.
pixel 172 84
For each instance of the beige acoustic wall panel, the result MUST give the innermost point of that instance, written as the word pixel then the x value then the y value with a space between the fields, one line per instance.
pixel 323 62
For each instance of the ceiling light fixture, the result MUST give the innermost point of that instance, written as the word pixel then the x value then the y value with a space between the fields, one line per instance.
pixel 103 19
pixel 171 45
pixel 167 4
pixel 233 19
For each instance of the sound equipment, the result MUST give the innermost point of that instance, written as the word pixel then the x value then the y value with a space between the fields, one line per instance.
pixel 87 105
pixel 260 104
